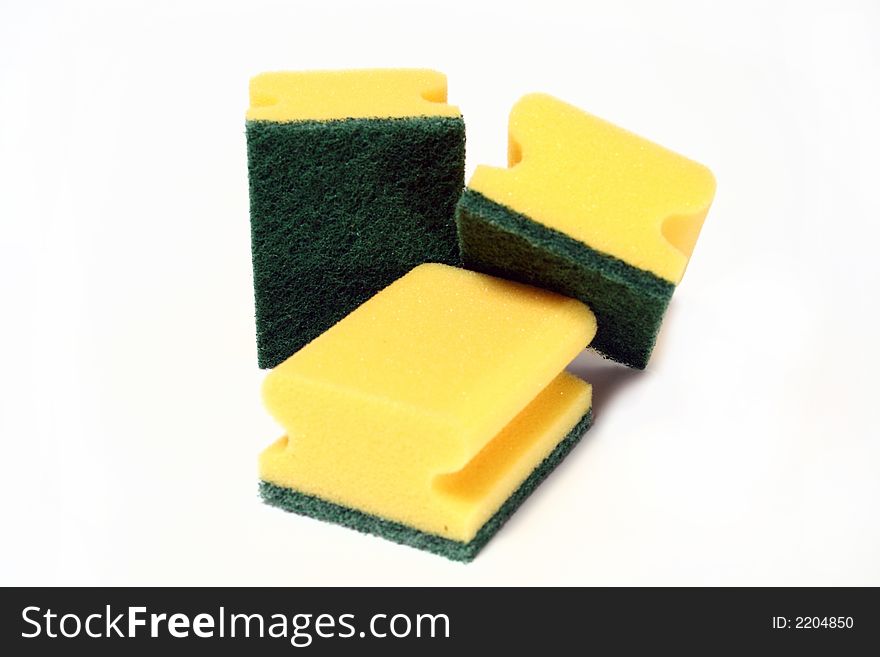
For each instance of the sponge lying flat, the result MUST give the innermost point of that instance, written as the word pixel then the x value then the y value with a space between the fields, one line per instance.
pixel 591 211
pixel 430 412
pixel 354 176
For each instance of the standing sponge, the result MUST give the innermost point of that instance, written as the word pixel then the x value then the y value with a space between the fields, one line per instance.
pixel 432 411
pixel 354 176
pixel 591 211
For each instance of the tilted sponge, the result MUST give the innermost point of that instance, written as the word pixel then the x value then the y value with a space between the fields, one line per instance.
pixel 429 413
pixel 354 176
pixel 591 211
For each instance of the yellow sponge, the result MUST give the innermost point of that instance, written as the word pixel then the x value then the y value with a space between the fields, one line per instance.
pixel 431 411
pixel 348 94
pixel 589 210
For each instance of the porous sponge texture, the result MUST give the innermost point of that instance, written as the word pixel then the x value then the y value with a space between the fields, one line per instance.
pixel 341 207
pixel 604 186
pixel 357 94
pixel 589 210
pixel 433 402
pixel 315 507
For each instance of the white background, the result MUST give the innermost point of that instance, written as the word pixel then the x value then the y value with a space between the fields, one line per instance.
pixel 131 417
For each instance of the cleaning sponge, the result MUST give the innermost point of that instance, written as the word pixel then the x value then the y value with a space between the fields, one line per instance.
pixel 354 176
pixel 429 413
pixel 591 211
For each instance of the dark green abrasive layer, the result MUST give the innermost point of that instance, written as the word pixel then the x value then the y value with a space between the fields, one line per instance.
pixel 629 303
pixel 309 505
pixel 340 210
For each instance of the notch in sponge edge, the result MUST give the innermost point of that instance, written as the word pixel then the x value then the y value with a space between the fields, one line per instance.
pixel 591 211
pixel 353 179
pixel 457 408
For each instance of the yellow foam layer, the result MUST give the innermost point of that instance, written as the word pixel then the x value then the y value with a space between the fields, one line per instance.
pixel 368 93
pixel 608 188
pixel 365 471
pixel 433 401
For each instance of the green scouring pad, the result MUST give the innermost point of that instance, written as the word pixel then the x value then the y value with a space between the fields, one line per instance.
pixel 354 177
pixel 629 303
